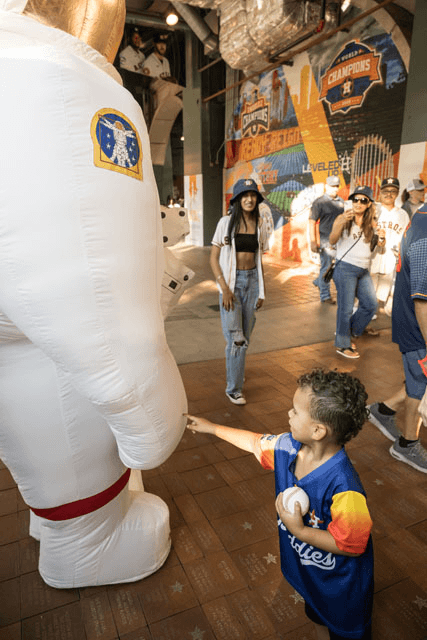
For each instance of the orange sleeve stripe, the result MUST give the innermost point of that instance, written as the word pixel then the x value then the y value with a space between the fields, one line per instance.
pixel 267 459
pixel 351 523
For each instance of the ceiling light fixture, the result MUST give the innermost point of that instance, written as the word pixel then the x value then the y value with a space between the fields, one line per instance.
pixel 171 19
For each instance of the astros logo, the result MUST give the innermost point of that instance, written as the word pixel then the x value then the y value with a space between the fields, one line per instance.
pixel 116 143
pixel 314 520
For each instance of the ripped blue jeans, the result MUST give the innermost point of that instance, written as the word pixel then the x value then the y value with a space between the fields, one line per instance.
pixel 237 326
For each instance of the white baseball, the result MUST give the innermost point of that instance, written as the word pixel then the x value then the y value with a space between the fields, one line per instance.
pixel 295 494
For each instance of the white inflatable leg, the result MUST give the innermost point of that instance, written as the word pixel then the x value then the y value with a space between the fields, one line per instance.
pixel 34 526
pixel 124 541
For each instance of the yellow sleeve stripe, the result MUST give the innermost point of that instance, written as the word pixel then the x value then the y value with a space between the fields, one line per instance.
pixel 351 523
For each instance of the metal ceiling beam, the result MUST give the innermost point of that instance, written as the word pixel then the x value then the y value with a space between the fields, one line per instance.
pixel 148 20
pixel 198 26
pixel 292 54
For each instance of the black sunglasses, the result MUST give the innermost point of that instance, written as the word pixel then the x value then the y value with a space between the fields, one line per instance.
pixel 361 200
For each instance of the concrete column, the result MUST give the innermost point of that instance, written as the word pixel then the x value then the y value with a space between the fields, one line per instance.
pixel 202 177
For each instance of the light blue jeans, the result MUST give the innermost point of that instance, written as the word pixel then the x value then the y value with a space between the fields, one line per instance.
pixel 353 282
pixel 237 326
pixel 326 254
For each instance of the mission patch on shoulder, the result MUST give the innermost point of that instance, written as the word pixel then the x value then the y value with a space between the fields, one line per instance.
pixel 116 143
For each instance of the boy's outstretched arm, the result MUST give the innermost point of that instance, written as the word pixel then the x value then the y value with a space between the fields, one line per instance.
pixel 246 440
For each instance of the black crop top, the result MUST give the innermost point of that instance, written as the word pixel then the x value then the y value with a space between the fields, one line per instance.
pixel 246 242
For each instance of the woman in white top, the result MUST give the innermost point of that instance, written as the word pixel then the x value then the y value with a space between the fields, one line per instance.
pixel 239 241
pixel 353 233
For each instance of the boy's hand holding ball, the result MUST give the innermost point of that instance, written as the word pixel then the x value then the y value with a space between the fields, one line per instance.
pixel 291 505
pixel 291 496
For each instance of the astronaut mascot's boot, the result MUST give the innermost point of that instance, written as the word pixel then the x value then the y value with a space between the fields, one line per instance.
pixel 88 386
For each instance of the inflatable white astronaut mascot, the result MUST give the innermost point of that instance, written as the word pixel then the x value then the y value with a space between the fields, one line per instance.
pixel 88 387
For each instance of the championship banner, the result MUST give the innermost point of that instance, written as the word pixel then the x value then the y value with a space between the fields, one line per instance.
pixel 350 76
pixel 255 117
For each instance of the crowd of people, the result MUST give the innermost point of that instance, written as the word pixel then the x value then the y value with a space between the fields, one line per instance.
pixel 364 270
pixel 373 249
pixel 376 255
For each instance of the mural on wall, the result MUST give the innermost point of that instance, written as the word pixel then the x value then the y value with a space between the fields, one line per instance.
pixel 337 111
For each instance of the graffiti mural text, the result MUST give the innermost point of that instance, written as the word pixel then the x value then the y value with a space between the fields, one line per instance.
pixel 267 143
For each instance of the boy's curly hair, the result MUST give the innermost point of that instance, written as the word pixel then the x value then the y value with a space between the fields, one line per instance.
pixel 338 401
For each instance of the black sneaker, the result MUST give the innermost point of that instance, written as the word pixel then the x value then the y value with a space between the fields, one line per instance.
pixel 236 398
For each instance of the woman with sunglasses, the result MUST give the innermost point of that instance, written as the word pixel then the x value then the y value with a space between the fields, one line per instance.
pixel 353 233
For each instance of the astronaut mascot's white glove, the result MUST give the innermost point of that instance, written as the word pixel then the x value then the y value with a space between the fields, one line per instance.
pixel 88 386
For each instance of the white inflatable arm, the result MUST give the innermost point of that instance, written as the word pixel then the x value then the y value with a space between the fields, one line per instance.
pixel 81 249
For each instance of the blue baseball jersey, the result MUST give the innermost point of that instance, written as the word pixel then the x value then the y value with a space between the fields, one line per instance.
pixel 339 588
pixel 411 284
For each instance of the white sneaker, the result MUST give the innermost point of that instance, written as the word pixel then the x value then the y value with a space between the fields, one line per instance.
pixel 236 397
pixel 348 352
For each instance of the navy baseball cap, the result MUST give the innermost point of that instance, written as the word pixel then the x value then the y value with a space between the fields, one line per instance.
pixel 161 37
pixel 242 186
pixel 362 191
pixel 390 182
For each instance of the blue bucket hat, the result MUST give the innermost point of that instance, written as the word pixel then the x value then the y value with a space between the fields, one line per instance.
pixel 242 186
pixel 362 191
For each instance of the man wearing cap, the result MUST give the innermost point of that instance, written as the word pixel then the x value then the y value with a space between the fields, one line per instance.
pixel 409 331
pixel 413 196
pixel 132 57
pixel 394 221
pixel 157 67
pixel 324 210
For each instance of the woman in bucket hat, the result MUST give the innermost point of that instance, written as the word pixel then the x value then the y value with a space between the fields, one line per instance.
pixel 239 241
pixel 353 233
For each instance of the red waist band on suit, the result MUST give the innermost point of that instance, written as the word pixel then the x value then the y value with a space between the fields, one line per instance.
pixel 86 505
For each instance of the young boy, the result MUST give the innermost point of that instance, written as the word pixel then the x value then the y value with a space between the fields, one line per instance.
pixel 327 554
